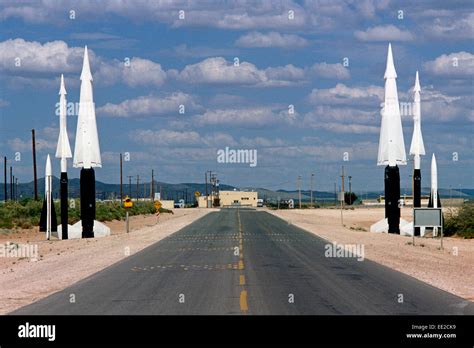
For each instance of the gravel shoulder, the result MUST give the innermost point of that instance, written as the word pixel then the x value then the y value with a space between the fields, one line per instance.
pixel 62 263
pixel 451 269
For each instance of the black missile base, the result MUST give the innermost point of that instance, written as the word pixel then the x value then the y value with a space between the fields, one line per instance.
pixel 87 202
pixel 64 205
pixel 417 193
pixel 392 198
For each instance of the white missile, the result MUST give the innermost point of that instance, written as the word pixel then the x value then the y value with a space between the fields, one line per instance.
pixel 417 147
pixel 434 182
pixel 86 150
pixel 391 143
pixel 63 150
pixel 48 186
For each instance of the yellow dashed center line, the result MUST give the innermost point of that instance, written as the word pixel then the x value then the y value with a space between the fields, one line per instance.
pixel 243 293
pixel 242 279
pixel 243 301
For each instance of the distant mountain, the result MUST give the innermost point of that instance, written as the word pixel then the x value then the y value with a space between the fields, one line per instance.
pixel 186 191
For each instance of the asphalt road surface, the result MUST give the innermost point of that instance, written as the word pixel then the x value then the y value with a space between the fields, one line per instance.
pixel 245 261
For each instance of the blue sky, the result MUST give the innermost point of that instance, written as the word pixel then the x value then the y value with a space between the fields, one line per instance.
pixel 290 53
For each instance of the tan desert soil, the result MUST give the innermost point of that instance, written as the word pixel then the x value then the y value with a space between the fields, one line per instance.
pixel 63 263
pixel 424 261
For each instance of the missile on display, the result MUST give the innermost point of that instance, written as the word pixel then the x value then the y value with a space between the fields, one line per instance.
pixel 48 221
pixel 391 145
pixel 87 150
pixel 417 147
pixel 63 151
pixel 391 151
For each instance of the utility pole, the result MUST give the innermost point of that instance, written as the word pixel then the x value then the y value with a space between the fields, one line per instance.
pixel 312 176
pixel 299 190
pixel 11 183
pixel 121 180
pixel 138 189
pixel 130 186
pixel 342 195
pixel 342 187
pixel 152 185
pixel 5 197
pixel 350 190
pixel 207 192
pixel 16 189
pixel 35 177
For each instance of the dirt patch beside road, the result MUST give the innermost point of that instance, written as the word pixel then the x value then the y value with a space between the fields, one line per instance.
pixel 62 263
pixel 451 269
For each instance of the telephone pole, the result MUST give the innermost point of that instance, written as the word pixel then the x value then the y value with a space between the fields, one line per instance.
pixel 138 187
pixel 152 185
pixel 5 197
pixel 342 187
pixel 35 177
pixel 299 190
pixel 121 180
pixel 350 190
pixel 11 183
pixel 130 186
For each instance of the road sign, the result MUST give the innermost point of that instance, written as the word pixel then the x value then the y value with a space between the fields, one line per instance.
pixel 157 205
pixel 197 194
pixel 127 203
pixel 428 217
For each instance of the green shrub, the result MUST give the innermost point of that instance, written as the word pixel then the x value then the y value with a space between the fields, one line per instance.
pixel 460 222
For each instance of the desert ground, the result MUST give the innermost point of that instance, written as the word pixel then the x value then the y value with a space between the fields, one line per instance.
pixel 450 269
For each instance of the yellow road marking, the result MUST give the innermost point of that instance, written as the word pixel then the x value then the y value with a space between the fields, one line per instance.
pixel 243 301
pixel 242 279
pixel 241 264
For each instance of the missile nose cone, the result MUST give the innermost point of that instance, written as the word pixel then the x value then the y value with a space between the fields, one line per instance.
pixel 62 89
pixel 86 69
pixel 390 72
pixel 48 170
pixel 417 87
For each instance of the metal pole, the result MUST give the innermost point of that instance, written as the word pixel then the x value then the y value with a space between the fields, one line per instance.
pixel 350 190
pixel 16 189
pixel 35 177
pixel 127 222
pixel 312 175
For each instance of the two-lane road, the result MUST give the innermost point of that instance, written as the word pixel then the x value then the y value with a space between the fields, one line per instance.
pixel 244 261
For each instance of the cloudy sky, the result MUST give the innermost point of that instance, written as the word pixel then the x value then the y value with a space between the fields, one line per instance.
pixel 300 82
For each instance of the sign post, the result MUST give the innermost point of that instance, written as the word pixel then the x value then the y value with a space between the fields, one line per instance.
pixel 127 204
pixel 157 206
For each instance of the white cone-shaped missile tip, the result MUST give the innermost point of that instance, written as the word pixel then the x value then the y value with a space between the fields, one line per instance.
pixel 48 170
pixel 86 68
pixel 417 146
pixel 417 87
pixel 86 150
pixel 63 150
pixel 391 143
pixel 62 88
pixel 390 72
